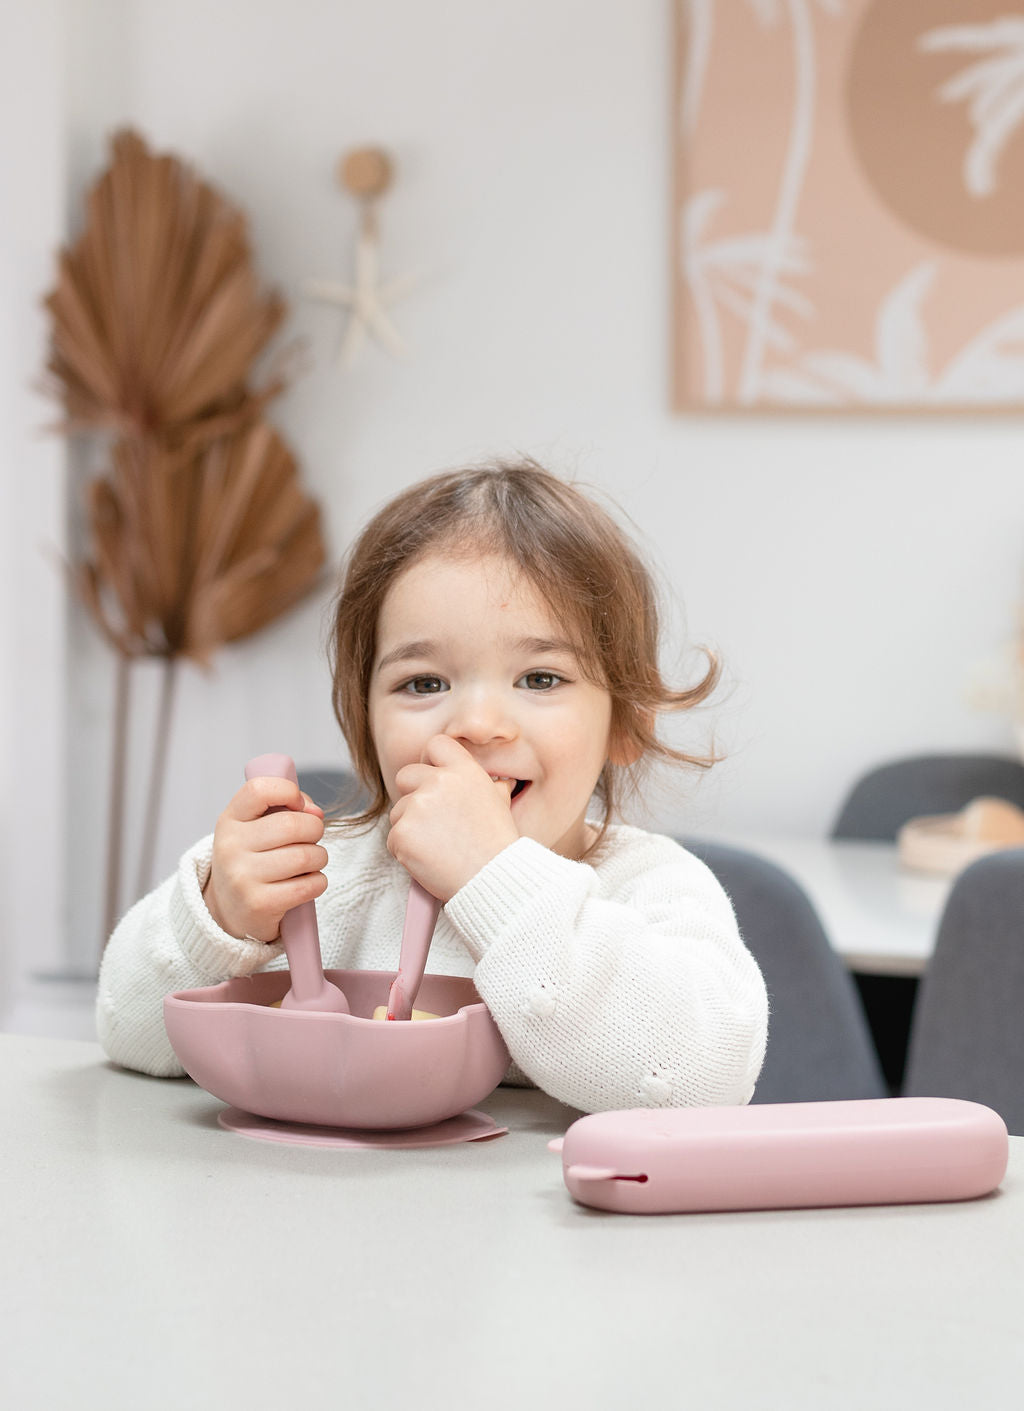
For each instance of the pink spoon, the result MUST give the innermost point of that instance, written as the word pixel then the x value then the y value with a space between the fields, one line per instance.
pixel 299 932
pixel 420 919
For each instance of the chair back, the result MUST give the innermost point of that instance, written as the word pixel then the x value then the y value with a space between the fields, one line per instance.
pixel 819 1045
pixel 967 1030
pixel 881 802
pixel 336 790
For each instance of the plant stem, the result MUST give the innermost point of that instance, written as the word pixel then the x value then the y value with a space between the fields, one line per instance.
pixel 158 772
pixel 115 816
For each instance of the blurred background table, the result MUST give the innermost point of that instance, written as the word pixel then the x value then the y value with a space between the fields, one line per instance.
pixel 880 917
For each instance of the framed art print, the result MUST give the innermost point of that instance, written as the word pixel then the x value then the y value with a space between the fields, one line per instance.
pixel 848 205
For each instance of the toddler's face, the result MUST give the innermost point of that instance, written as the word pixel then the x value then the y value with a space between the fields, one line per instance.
pixel 466 649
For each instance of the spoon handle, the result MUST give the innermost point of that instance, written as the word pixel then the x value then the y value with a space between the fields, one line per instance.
pixel 310 989
pixel 421 912
pixel 301 937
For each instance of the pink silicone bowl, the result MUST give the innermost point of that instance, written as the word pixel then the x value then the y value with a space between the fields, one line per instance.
pixel 339 1070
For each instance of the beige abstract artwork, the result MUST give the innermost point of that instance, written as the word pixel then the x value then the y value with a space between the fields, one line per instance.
pixel 848 205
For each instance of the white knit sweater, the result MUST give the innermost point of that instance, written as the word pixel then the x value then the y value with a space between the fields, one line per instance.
pixel 620 982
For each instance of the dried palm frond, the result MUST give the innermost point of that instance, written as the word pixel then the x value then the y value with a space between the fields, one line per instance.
pixel 259 548
pixel 199 531
pixel 188 556
pixel 157 315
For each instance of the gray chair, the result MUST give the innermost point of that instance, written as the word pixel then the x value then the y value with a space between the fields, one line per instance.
pixel 819 1046
pixel 886 797
pixel 967 1033
pixel 876 808
pixel 335 790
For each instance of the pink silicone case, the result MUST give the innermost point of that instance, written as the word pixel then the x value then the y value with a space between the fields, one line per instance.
pixel 873 1152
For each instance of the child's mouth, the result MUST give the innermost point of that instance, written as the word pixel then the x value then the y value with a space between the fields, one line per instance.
pixel 518 785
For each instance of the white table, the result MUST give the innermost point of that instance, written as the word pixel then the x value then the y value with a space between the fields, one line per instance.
pixel 880 917
pixel 154 1262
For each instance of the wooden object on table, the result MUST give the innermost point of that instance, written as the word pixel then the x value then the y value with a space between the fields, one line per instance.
pixel 947 843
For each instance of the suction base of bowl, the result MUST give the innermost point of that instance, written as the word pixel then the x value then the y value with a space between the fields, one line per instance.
pixel 471 1126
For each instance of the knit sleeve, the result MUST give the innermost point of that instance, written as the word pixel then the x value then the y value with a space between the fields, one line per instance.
pixel 168 941
pixel 621 986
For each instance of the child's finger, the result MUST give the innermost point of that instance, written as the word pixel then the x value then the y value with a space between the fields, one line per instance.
pixel 264 792
pixel 412 777
pixel 295 890
pixel 263 916
pixel 282 863
pixel 280 830
pixel 443 750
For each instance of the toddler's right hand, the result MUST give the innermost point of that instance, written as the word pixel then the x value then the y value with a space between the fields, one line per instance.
pixel 265 863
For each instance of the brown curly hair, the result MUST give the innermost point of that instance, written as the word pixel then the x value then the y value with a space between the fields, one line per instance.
pixel 570 550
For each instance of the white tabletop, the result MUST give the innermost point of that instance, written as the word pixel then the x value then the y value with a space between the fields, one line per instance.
pixel 880 917
pixel 154 1262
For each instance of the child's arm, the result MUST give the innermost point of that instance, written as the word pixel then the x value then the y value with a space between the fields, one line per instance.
pixel 625 988
pixel 215 918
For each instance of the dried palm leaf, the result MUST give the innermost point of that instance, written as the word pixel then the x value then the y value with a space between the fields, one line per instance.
pixel 187 557
pixel 157 315
pixel 258 544
pixel 199 531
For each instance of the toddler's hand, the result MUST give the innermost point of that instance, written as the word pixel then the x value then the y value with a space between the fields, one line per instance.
pixel 451 818
pixel 265 863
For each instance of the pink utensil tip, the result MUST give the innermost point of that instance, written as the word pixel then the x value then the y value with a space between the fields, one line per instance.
pixel 421 912
pixel 299 931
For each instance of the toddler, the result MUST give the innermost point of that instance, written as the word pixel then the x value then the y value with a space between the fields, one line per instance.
pixel 494 656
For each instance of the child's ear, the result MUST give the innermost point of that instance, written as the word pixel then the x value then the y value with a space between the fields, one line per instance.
pixel 624 745
pixel 624 753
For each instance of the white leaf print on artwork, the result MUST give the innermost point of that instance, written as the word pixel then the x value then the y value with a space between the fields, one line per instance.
pixel 776 245
pixel 993 88
pixel 700 16
pixel 989 370
pixel 794 167
pixel 699 21
pixel 725 274
pixel 769 12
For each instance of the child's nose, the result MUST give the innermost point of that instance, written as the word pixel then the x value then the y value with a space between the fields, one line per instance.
pixel 479 718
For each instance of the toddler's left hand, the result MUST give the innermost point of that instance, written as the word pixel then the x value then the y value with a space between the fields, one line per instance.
pixel 451 819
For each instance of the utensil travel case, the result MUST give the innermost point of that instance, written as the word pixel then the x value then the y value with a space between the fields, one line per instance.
pixel 865 1152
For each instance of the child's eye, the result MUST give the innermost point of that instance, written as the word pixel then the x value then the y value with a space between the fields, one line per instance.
pixel 540 680
pixel 424 686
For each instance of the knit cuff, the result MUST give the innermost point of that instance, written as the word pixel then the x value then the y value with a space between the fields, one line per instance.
pixel 480 911
pixel 211 950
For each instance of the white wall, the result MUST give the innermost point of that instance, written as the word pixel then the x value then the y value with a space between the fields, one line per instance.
pixel 32 592
pixel 852 572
